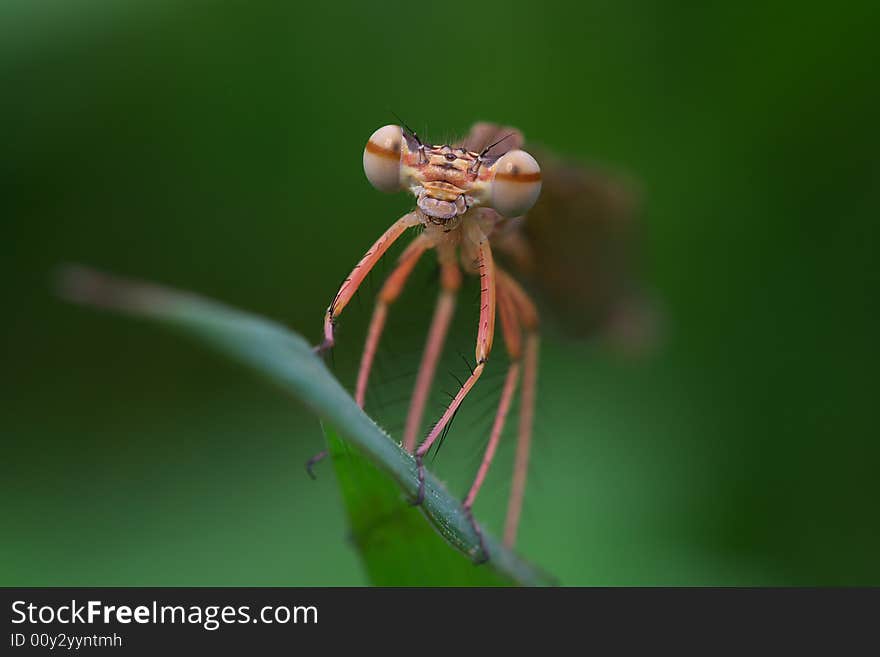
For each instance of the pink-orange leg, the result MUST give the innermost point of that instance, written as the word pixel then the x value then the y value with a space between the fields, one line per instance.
pixel 351 284
pixel 511 331
pixel 485 335
pixel 450 280
pixel 527 316
pixel 391 289
pixel 523 444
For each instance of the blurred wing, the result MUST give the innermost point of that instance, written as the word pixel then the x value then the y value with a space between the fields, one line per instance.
pixel 578 247
pixel 581 252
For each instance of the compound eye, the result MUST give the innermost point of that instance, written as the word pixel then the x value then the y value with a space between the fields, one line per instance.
pixel 516 183
pixel 382 158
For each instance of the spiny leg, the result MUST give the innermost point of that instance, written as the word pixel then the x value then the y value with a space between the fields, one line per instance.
pixel 359 273
pixel 528 317
pixel 450 280
pixel 349 286
pixel 391 289
pixel 511 331
pixel 485 335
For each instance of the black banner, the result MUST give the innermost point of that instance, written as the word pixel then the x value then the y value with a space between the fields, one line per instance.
pixel 182 620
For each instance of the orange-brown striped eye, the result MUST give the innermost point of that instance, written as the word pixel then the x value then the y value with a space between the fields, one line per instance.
pixel 382 158
pixel 516 183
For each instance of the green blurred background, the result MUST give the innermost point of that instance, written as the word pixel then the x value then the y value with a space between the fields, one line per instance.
pixel 216 147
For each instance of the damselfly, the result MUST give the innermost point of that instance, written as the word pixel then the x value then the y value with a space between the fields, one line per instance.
pixel 471 205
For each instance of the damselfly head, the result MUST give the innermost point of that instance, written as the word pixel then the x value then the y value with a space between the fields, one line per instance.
pixel 446 180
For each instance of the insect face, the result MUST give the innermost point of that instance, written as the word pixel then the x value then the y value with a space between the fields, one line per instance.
pixel 448 181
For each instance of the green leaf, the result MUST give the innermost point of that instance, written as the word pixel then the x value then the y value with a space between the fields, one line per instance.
pixel 397 546
pixel 377 477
